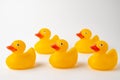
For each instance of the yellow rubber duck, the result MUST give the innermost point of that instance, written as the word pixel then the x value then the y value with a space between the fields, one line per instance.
pixel 61 58
pixel 83 45
pixel 43 46
pixel 18 59
pixel 101 60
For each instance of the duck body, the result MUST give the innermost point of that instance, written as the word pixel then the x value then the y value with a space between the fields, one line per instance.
pixel 101 60
pixel 19 60
pixel 43 46
pixel 64 59
pixel 83 45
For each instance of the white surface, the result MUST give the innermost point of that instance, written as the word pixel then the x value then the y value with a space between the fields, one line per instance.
pixel 21 19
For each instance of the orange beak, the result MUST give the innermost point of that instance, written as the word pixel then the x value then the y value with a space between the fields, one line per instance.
pixel 39 35
pixel 95 48
pixel 55 47
pixel 11 48
pixel 80 35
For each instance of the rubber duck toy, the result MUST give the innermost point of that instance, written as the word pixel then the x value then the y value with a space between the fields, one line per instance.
pixel 102 60
pixel 18 59
pixel 83 45
pixel 61 58
pixel 43 46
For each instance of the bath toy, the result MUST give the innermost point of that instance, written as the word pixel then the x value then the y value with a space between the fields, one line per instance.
pixel 18 59
pixel 83 45
pixel 101 59
pixel 43 46
pixel 61 58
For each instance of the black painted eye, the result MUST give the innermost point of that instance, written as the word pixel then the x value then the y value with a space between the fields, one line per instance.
pixel 101 44
pixel 85 32
pixel 61 43
pixel 18 44
pixel 44 31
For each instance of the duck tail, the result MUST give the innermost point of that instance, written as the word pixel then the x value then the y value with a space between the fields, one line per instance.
pixel 73 53
pixel 55 38
pixel 95 38
pixel 31 53
pixel 113 54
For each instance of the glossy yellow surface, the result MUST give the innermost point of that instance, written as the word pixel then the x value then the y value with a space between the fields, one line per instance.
pixel 18 59
pixel 43 46
pixel 61 58
pixel 83 45
pixel 101 59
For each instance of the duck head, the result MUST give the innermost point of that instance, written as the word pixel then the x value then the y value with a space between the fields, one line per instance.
pixel 44 33
pixel 60 45
pixel 100 46
pixel 84 33
pixel 17 46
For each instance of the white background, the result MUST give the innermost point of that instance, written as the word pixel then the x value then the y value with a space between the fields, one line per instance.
pixel 21 19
